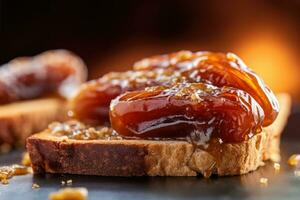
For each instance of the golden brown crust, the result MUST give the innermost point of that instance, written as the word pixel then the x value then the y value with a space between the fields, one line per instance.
pixel 19 120
pixel 153 158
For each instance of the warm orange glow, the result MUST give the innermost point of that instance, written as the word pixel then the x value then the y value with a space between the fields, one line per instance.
pixel 271 57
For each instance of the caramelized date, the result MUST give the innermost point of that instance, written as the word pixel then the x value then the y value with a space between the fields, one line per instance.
pixel 53 71
pixel 195 110
pixel 91 104
pixel 221 70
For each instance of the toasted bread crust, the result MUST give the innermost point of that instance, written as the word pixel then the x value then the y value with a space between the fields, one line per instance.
pixel 153 158
pixel 19 120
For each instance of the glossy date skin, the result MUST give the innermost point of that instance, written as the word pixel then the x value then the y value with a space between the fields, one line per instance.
pixel 220 69
pixel 57 71
pixel 91 104
pixel 195 110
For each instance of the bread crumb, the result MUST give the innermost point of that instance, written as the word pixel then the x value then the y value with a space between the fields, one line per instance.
pixel 4 181
pixel 294 160
pixel 276 167
pixel 7 172
pixel 69 194
pixel 26 159
pixel 69 182
pixel 63 183
pixel 263 181
pixel 35 186
pixel 297 173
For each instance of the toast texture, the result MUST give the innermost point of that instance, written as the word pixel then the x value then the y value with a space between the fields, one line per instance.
pixel 51 154
pixel 20 119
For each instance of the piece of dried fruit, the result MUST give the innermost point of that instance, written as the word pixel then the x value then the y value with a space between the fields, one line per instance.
pixel 91 102
pixel 199 111
pixel 221 69
pixel 69 194
pixel 57 71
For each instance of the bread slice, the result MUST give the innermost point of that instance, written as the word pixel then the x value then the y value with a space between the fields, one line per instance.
pixel 20 119
pixel 53 154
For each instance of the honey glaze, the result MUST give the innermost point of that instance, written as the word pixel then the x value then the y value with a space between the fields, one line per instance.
pixel 200 111
pixel 51 72
pixel 79 131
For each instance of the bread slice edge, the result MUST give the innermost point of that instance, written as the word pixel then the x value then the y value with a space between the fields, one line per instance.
pixel 21 119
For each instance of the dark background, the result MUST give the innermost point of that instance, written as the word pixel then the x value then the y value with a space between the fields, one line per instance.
pixel 111 35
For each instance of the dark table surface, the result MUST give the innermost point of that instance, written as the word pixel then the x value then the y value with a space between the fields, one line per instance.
pixel 282 185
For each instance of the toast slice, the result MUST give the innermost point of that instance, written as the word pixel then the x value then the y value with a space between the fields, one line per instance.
pixel 52 154
pixel 20 119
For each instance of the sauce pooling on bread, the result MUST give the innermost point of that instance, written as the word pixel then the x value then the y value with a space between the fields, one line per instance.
pixel 196 110
pixel 57 71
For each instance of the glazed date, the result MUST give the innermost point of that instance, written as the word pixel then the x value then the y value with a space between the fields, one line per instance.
pixel 91 104
pixel 221 70
pixel 57 71
pixel 195 110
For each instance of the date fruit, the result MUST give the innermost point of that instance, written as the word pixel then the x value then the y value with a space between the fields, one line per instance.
pixel 194 110
pixel 56 71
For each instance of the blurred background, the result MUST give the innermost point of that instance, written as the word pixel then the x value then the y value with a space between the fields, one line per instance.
pixel 111 35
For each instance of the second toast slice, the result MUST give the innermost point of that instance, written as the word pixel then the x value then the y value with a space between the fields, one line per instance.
pixel 20 119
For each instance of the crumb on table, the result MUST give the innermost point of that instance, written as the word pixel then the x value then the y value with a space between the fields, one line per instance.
pixel 263 181
pixel 35 186
pixel 7 172
pixel 69 194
